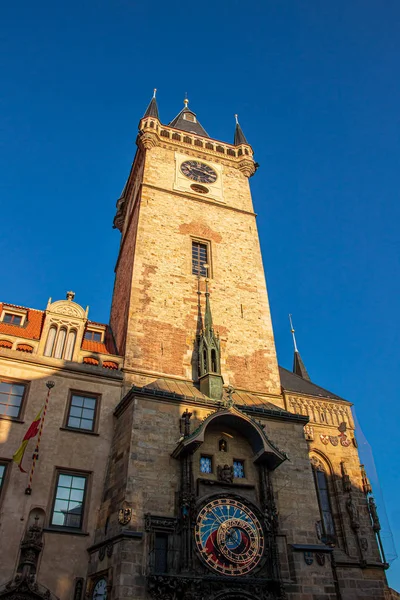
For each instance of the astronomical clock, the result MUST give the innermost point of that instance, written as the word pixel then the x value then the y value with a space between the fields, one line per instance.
pixel 229 537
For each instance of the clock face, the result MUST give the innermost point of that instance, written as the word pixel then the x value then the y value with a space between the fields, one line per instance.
pixel 100 590
pixel 198 171
pixel 229 537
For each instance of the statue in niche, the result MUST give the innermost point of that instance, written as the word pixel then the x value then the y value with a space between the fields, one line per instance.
pixel 225 473
pixel 353 513
pixel 223 446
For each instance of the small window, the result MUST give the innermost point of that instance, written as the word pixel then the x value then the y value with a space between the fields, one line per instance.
pixel 160 552
pixel 69 501
pixel 189 117
pixel 82 412
pixel 11 396
pixel 93 336
pixel 238 469
pixel 199 258
pixel 3 468
pixel 12 319
pixel 205 464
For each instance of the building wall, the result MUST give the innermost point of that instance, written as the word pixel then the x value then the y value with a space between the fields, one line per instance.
pixel 64 555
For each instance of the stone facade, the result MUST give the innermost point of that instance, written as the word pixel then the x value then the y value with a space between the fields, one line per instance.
pixel 255 492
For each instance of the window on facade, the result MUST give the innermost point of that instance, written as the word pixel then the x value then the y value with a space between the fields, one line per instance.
pixel 3 468
pixel 82 412
pixel 205 464
pixel 12 319
pixel 11 396
pixel 69 501
pixel 199 258
pixel 93 336
pixel 160 552
pixel 322 488
pixel 60 343
pixel 238 469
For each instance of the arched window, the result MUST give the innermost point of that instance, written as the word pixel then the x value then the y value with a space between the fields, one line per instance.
pixel 69 348
pixel 322 487
pixel 48 351
pixel 62 334
pixel 205 360
pixel 214 366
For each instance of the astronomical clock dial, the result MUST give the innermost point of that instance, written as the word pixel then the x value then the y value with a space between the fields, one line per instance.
pixel 229 537
pixel 100 590
pixel 198 171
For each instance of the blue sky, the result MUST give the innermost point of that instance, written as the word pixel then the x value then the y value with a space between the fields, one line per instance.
pixel 317 90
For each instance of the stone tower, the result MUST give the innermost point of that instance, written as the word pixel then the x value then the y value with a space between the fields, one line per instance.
pixel 187 203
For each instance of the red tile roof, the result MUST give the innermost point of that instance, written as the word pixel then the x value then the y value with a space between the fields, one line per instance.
pixel 33 324
pixel 32 330
pixel 25 348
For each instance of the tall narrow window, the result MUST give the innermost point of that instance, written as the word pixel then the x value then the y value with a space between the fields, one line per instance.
pixel 199 259
pixel 3 467
pixel 48 351
pixel 69 348
pixel 69 501
pixel 60 343
pixel 161 553
pixel 322 488
pixel 214 366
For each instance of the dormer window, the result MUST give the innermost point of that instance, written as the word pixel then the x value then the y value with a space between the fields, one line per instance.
pixel 189 117
pixel 12 319
pixel 93 336
pixel 12 316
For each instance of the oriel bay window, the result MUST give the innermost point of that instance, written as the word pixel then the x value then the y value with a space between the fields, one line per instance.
pixel 69 500
pixel 60 342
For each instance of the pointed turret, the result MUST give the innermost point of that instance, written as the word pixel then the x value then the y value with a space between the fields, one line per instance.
pixel 152 109
pixel 210 378
pixel 186 120
pixel 298 365
pixel 239 135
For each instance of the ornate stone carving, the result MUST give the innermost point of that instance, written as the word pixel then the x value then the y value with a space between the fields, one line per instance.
pixel 164 587
pixel 124 514
pixel 148 140
pixel 225 473
pixel 160 523
pixel 376 526
pixel 247 167
pixel 353 513
pixel 67 307
pixel 367 489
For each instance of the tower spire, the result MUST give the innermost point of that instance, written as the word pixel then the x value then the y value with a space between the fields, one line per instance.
pixel 239 135
pixel 152 109
pixel 298 365
pixel 210 378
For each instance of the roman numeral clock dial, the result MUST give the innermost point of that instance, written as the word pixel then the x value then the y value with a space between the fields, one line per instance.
pixel 198 171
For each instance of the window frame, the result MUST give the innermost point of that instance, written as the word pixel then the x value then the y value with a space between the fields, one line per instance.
pixel 16 312
pixel 207 243
pixel 94 332
pixel 26 384
pixel 83 394
pixel 210 456
pixel 4 462
pixel 85 502
pixel 327 537
pixel 242 461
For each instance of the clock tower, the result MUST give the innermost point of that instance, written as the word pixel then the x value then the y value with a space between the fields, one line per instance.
pixel 186 215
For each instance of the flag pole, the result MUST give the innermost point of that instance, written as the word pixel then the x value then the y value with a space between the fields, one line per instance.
pixel 28 491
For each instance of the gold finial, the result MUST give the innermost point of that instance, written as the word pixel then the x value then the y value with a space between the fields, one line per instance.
pixel 292 331
pixel 237 119
pixel 186 101
pixel 154 92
